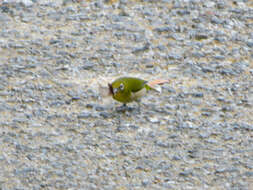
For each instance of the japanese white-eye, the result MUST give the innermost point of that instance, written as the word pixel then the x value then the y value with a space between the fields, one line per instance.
pixel 129 89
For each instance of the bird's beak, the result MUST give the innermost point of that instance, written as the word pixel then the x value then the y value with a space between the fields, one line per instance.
pixel 110 89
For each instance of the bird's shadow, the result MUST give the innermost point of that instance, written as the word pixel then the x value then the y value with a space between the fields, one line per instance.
pixel 124 108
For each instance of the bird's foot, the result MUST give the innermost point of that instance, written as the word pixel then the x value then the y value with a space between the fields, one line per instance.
pixel 124 108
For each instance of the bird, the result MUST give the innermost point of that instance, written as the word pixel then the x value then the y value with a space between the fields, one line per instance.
pixel 132 89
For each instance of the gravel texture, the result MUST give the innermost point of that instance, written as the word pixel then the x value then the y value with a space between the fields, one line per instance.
pixel 56 131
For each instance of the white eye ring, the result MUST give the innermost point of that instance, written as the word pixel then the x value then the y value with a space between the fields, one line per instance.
pixel 121 86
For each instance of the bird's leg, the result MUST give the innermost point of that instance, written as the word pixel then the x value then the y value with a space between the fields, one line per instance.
pixel 122 108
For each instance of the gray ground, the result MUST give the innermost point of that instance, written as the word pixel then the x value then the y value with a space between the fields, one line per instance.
pixel 56 131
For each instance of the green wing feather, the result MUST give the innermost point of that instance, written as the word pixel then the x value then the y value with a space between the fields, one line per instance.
pixel 136 84
pixel 130 83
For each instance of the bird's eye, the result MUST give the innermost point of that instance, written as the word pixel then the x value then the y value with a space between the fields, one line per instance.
pixel 121 86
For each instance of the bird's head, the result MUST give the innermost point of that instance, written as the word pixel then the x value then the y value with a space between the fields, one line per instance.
pixel 116 88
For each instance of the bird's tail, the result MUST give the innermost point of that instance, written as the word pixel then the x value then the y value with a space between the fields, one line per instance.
pixel 155 84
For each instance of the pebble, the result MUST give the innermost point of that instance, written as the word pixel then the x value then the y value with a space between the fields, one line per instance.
pixel 164 29
pixel 186 173
pixel 198 94
pixel 88 66
pixel 201 36
pixel 141 49
pixel 250 43
pixel 153 120
pixel 4 18
pixel 26 3
pixel 84 115
pixel 216 20
pixel 105 114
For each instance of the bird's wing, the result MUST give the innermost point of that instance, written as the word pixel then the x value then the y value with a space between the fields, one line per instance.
pixel 138 85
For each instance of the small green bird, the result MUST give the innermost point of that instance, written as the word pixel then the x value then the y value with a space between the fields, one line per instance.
pixel 129 89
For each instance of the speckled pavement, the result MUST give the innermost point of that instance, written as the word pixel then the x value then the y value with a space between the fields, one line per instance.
pixel 58 132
